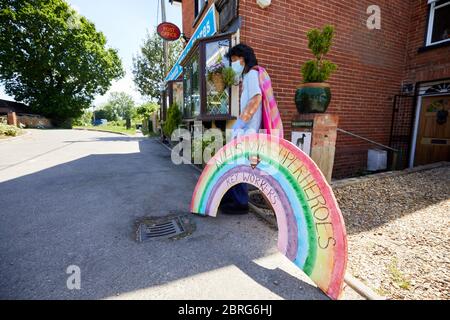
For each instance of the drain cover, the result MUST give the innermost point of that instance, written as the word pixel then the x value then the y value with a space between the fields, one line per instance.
pixel 164 228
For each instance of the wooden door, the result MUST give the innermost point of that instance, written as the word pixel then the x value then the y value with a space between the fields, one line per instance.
pixel 433 139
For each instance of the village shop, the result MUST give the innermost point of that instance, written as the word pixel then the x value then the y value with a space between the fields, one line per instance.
pixel 390 94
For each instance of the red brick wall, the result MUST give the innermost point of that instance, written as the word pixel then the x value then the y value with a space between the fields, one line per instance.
pixel 429 65
pixel 188 7
pixel 188 17
pixel 371 63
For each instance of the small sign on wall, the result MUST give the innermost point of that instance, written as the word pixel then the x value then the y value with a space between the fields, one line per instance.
pixel 302 139
pixel 303 124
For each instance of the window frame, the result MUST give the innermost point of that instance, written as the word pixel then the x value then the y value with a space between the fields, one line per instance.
pixel 187 60
pixel 170 90
pixel 203 98
pixel 198 11
pixel 429 36
pixel 200 46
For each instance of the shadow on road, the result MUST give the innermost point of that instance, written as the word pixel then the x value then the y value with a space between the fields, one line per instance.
pixel 83 213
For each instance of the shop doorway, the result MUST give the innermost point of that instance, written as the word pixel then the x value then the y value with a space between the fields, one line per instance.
pixel 433 130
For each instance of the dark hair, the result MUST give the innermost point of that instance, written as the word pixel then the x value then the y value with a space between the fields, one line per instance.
pixel 246 52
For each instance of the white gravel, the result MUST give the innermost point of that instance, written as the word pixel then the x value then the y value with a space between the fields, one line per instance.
pixel 399 233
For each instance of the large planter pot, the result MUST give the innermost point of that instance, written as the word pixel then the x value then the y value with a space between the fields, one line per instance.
pixel 313 97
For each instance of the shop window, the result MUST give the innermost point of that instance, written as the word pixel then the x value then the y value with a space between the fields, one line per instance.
pixel 175 93
pixel 439 23
pixel 203 100
pixel 217 103
pixel 191 83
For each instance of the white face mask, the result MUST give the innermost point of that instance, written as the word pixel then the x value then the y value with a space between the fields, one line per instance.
pixel 238 67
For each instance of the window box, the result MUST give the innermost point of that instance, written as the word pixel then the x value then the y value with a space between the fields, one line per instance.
pixel 438 23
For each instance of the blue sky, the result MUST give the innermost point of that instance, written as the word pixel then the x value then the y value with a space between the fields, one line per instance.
pixel 125 24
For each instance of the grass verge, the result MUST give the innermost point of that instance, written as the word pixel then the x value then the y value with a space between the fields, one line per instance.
pixel 117 129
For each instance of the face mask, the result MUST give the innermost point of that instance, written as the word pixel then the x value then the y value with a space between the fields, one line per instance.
pixel 237 67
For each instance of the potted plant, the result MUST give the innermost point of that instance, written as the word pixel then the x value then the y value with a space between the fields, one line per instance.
pixel 173 121
pixel 314 95
pixel 229 76
pixel 220 76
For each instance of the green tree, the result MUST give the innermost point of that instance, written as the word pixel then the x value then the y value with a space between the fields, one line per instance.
pixel 146 110
pixel 148 65
pixel 143 115
pixel 52 58
pixel 120 105
pixel 85 119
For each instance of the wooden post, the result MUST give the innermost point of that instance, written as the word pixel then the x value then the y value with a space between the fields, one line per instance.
pixel 324 142
pixel 324 136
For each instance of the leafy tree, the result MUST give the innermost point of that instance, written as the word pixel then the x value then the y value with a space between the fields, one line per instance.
pixel 120 105
pixel 148 65
pixel 147 109
pixel 109 112
pixel 144 113
pixel 85 119
pixel 52 58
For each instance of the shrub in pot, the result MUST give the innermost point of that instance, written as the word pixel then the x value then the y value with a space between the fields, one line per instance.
pixel 314 94
pixel 173 121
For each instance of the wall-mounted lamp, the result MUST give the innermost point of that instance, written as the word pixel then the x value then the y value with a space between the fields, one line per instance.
pixel 264 3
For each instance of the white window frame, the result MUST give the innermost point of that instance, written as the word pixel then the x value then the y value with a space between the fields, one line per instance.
pixel 431 22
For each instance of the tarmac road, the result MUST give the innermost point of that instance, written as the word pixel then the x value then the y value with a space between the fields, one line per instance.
pixel 71 198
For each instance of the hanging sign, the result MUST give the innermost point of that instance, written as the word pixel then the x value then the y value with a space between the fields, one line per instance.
pixel 168 31
pixel 206 28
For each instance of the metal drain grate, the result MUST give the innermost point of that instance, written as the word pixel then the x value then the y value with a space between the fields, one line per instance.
pixel 155 231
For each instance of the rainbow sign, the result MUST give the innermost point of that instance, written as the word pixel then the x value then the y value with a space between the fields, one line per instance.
pixel 311 227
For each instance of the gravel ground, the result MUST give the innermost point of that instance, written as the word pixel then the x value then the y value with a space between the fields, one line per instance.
pixel 399 233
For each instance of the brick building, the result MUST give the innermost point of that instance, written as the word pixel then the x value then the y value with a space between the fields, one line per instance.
pixel 16 113
pixel 392 85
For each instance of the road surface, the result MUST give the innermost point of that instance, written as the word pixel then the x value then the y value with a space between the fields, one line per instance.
pixel 71 198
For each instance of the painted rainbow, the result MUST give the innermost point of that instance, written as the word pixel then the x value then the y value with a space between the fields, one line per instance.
pixel 311 227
